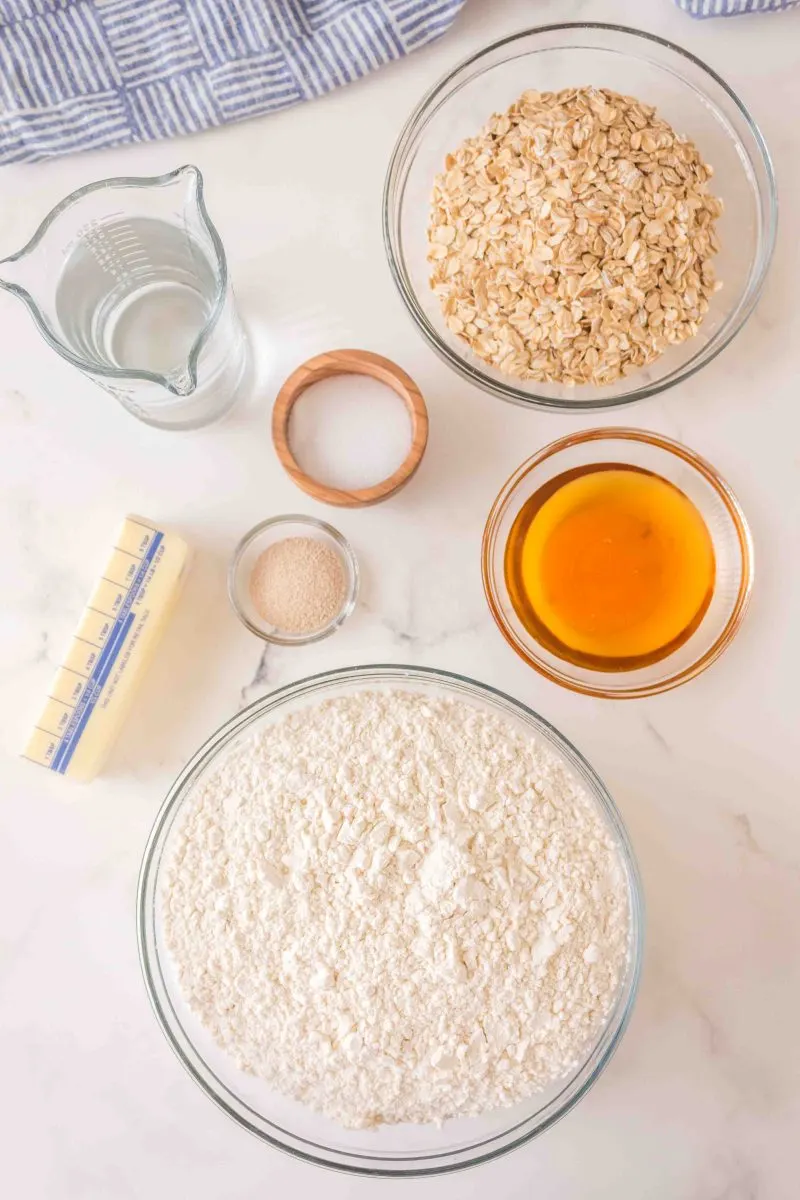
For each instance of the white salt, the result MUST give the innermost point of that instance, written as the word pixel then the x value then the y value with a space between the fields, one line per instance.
pixel 350 431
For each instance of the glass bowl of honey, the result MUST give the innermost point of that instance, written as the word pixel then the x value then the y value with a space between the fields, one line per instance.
pixel 617 563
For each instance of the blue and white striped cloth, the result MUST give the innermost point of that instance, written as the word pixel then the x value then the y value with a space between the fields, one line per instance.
pixel 82 74
pixel 732 8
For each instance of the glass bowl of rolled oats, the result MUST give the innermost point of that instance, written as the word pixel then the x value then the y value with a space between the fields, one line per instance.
pixel 580 216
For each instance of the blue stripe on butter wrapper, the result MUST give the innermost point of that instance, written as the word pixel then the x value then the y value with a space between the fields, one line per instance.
pixel 104 664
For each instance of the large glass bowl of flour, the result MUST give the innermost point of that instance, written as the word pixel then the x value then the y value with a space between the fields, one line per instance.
pixel 406 1148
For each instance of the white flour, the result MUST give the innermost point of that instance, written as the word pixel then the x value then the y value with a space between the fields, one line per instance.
pixel 397 909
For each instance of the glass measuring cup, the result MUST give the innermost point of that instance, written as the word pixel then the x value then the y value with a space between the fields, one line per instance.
pixel 127 280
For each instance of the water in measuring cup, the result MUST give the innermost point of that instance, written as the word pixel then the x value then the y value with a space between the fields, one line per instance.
pixel 134 293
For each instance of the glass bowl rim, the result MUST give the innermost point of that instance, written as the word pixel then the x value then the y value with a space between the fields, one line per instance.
pixel 427 1163
pixel 347 553
pixel 732 507
pixel 416 122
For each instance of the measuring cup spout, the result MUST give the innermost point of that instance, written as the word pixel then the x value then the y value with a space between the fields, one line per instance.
pixel 183 384
pixel 21 275
pixel 14 274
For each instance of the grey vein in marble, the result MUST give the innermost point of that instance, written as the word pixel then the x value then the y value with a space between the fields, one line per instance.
pixel 261 676
pixel 657 736
pixel 749 843
pixel 421 641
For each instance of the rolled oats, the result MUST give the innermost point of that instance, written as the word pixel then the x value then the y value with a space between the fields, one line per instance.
pixel 571 240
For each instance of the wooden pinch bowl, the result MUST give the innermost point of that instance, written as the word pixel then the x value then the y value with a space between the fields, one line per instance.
pixel 350 362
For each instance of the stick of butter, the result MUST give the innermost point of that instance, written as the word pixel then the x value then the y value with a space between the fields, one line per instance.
pixel 96 683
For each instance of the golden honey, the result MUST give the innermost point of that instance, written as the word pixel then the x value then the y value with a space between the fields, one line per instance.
pixel 610 566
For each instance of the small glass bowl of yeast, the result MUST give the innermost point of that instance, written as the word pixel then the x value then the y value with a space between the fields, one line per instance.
pixel 631 607
pixel 251 551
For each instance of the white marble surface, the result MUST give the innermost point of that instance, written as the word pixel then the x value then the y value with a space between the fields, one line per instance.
pixel 702 1100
